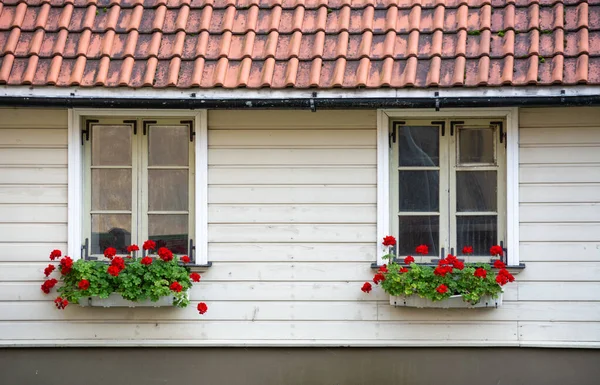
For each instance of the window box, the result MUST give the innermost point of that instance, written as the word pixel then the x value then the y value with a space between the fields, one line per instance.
pixel 453 302
pixel 115 300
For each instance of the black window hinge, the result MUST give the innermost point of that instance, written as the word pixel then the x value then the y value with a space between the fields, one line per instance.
pixel 501 133
pixel 86 131
pixel 452 124
pixel 145 125
pixel 393 133
pixel 133 123
pixel 190 124
pixel 442 125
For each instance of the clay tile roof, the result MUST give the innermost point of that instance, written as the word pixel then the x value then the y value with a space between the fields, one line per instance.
pixel 299 43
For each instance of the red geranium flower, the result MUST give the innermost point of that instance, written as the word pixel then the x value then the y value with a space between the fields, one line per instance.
pixel 185 259
pixel 496 250
pixel 422 249
pixel 467 250
pixel 403 270
pixel 176 286
pixel 450 259
pixel 49 284
pixel 366 287
pixel 504 277
pixel 408 260
pixel 442 289
pixel 165 254
pixel 480 272
pixel 146 261
pixel 66 264
pixel 149 245
pixel 118 262
pixel 458 265
pixel 383 269
pixel 113 270
pixel 442 270
pixel 498 264
pixel 389 241
pixel 61 303
pixel 48 270
pixel 55 254
pixel 195 277
pixel 110 252
pixel 202 308
pixel 84 284
pixel 132 248
pixel 378 278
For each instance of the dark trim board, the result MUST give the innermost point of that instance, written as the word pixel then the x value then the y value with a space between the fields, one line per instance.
pixel 299 366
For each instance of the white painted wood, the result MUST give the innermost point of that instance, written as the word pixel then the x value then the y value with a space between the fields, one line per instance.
pixel 383 183
pixel 560 154
pixel 561 272
pixel 291 120
pixel 13 118
pixel 283 175
pixel 33 232
pixel 559 117
pixel 564 173
pixel 28 194
pixel 560 232
pixel 75 182
pixel 33 213
pixel 298 138
pixel 201 188
pixel 560 291
pixel 560 251
pixel 28 252
pixel 308 156
pixel 292 194
pixel 291 233
pixel 560 193
pixel 364 213
pixel 33 156
pixel 560 331
pixel 561 135
pixel 287 252
pixel 33 175
pixel 33 137
pixel 560 212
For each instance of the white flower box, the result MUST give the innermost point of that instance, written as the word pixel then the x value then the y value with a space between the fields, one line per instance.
pixel 454 302
pixel 115 300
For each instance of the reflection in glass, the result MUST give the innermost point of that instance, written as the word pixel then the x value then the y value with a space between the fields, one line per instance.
pixel 481 232
pixel 110 230
pixel 168 190
pixel 476 191
pixel 419 190
pixel 418 146
pixel 111 145
pixel 476 145
pixel 111 189
pixel 418 230
pixel 169 230
pixel 168 146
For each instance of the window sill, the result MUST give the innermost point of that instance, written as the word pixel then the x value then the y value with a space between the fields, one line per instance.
pixel 199 268
pixel 513 269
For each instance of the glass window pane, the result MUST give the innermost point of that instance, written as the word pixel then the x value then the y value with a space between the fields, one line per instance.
pixel 170 231
pixel 111 145
pixel 415 231
pixel 111 189
pixel 168 145
pixel 476 145
pixel 168 190
pixel 419 190
pixel 110 230
pixel 476 191
pixel 480 232
pixel 418 146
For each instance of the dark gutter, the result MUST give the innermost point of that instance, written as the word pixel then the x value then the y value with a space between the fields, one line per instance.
pixel 302 103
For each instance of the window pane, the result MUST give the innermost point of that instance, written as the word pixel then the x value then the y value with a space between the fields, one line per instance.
pixel 110 230
pixel 476 145
pixel 168 145
pixel 169 231
pixel 111 145
pixel 481 232
pixel 415 231
pixel 111 189
pixel 418 146
pixel 168 190
pixel 419 190
pixel 476 191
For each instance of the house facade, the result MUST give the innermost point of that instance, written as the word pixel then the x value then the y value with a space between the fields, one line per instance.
pixel 277 144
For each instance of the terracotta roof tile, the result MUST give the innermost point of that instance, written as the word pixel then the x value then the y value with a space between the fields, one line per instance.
pixel 299 43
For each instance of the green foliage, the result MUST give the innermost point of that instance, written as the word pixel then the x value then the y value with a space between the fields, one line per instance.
pixel 422 281
pixel 474 33
pixel 137 282
pixel 501 33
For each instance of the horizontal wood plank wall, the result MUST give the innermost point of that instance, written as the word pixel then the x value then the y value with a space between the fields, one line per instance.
pixel 292 221
pixel 560 222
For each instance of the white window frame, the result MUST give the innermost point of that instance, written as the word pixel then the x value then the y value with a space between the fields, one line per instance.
pixel 509 115
pixel 76 167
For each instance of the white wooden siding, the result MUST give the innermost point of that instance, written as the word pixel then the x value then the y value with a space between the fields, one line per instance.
pixel 292 221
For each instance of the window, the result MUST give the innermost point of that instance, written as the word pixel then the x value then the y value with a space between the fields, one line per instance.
pixel 137 175
pixel 450 182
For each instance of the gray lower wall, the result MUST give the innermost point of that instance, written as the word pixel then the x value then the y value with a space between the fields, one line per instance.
pixel 306 366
